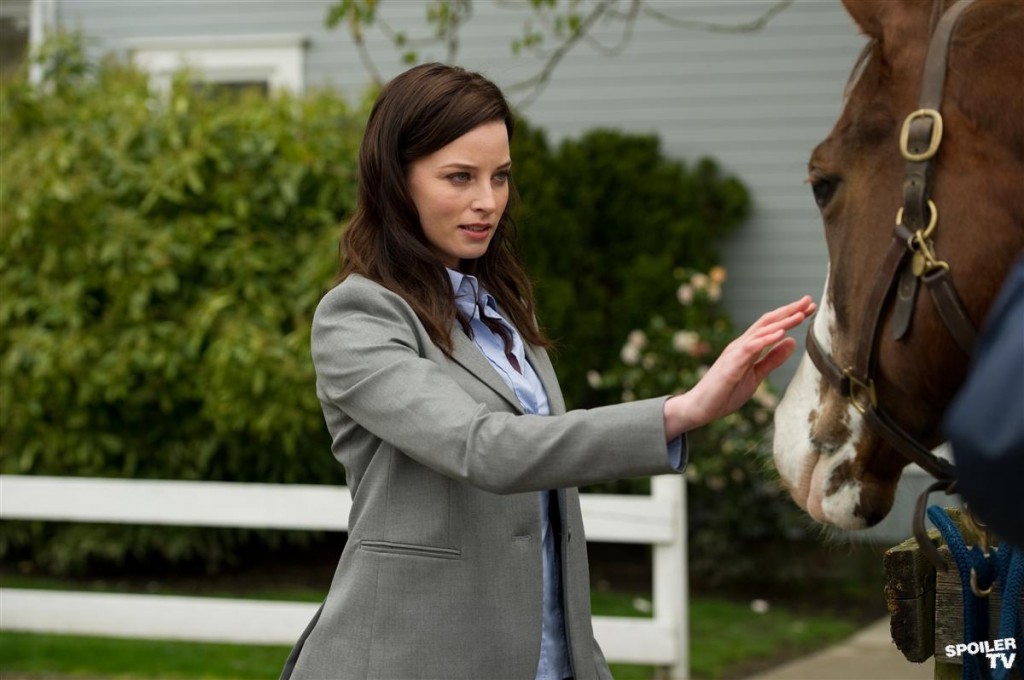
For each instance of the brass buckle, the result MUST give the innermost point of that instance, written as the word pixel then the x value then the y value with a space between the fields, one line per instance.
pixel 933 219
pixel 976 589
pixel 859 390
pixel 933 143
pixel 923 260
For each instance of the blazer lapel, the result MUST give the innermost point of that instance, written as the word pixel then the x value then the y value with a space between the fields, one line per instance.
pixel 469 356
pixel 546 372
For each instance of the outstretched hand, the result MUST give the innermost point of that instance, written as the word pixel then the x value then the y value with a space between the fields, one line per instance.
pixel 741 367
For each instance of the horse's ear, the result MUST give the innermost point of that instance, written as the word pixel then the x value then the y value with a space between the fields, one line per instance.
pixel 886 20
pixel 868 15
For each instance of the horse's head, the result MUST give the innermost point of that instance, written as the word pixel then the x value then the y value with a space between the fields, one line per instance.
pixel 838 469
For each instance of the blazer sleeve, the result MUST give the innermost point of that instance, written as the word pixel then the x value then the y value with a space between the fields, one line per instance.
pixel 370 364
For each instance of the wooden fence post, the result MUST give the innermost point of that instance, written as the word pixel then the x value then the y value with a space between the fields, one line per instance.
pixel 926 607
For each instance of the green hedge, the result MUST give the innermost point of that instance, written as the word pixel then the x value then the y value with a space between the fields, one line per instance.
pixel 161 256
pixel 741 522
pixel 160 260
pixel 605 220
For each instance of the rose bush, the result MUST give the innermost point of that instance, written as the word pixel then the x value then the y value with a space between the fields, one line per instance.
pixel 738 516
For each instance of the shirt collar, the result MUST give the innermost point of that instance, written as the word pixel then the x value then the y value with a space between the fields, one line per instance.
pixel 468 293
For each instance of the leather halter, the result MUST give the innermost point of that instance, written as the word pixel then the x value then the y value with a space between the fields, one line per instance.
pixel 910 259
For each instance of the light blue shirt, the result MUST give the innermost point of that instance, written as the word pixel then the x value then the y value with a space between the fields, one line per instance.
pixel 472 301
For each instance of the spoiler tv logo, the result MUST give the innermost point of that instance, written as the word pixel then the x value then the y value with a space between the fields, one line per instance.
pixel 995 650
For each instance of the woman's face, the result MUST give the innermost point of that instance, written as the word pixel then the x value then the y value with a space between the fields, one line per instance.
pixel 460 192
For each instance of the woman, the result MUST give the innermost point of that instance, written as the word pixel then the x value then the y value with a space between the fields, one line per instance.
pixel 466 556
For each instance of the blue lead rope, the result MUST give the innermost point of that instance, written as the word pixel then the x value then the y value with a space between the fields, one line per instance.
pixel 1003 566
pixel 1011 575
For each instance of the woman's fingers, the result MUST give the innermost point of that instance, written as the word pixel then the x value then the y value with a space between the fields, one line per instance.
pixel 798 309
pixel 748 360
pixel 784 318
pixel 774 357
pixel 756 344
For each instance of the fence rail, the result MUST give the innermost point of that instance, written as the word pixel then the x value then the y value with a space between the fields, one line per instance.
pixel 657 519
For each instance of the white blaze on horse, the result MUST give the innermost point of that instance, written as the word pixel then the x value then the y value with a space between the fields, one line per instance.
pixel 942 144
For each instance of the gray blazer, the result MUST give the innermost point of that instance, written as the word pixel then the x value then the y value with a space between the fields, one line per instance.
pixel 441 574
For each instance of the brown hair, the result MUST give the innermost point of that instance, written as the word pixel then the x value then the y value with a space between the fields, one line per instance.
pixel 417 113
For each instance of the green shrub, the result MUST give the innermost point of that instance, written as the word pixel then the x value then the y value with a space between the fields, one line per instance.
pixel 738 517
pixel 161 257
pixel 605 220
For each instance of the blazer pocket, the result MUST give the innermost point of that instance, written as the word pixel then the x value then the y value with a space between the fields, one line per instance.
pixel 410 550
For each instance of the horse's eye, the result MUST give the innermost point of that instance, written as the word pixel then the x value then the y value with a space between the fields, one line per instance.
pixel 823 186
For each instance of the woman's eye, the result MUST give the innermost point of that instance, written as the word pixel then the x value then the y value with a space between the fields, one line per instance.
pixel 824 187
pixel 459 177
pixel 503 177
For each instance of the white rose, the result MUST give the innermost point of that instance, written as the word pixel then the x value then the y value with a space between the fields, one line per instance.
pixel 630 355
pixel 685 342
pixel 637 339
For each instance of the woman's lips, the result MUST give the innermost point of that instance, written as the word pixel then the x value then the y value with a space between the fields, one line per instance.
pixel 477 231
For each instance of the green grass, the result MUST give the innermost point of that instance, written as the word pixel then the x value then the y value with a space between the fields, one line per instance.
pixel 108 657
pixel 724 636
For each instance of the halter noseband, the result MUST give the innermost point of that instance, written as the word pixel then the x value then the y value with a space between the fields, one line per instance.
pixel 910 259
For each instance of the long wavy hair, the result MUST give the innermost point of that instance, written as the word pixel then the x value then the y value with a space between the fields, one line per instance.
pixel 417 113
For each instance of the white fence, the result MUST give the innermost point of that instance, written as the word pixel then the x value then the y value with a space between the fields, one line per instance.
pixel 657 519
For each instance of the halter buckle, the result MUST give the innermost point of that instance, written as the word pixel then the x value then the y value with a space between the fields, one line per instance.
pixel 933 219
pixel 933 141
pixel 924 261
pixel 861 393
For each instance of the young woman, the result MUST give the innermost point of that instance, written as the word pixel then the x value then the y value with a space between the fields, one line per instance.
pixel 466 556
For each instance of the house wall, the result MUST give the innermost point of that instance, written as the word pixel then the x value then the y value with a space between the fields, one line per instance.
pixel 757 102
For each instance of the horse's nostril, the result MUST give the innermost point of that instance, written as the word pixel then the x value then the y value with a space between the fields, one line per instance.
pixel 873 517
pixel 876 499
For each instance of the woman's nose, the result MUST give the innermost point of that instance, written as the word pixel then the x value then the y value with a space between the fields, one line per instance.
pixel 485 200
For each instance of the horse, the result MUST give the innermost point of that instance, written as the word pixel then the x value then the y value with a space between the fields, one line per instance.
pixel 914 196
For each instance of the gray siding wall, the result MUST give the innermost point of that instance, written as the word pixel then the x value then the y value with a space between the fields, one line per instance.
pixel 757 102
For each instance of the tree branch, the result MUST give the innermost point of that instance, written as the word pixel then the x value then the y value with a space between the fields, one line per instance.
pixel 399 39
pixel 448 17
pixel 629 18
pixel 355 29
pixel 714 27
pixel 539 81
pixel 461 12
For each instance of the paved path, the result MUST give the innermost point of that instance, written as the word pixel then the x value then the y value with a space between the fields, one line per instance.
pixel 867 655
